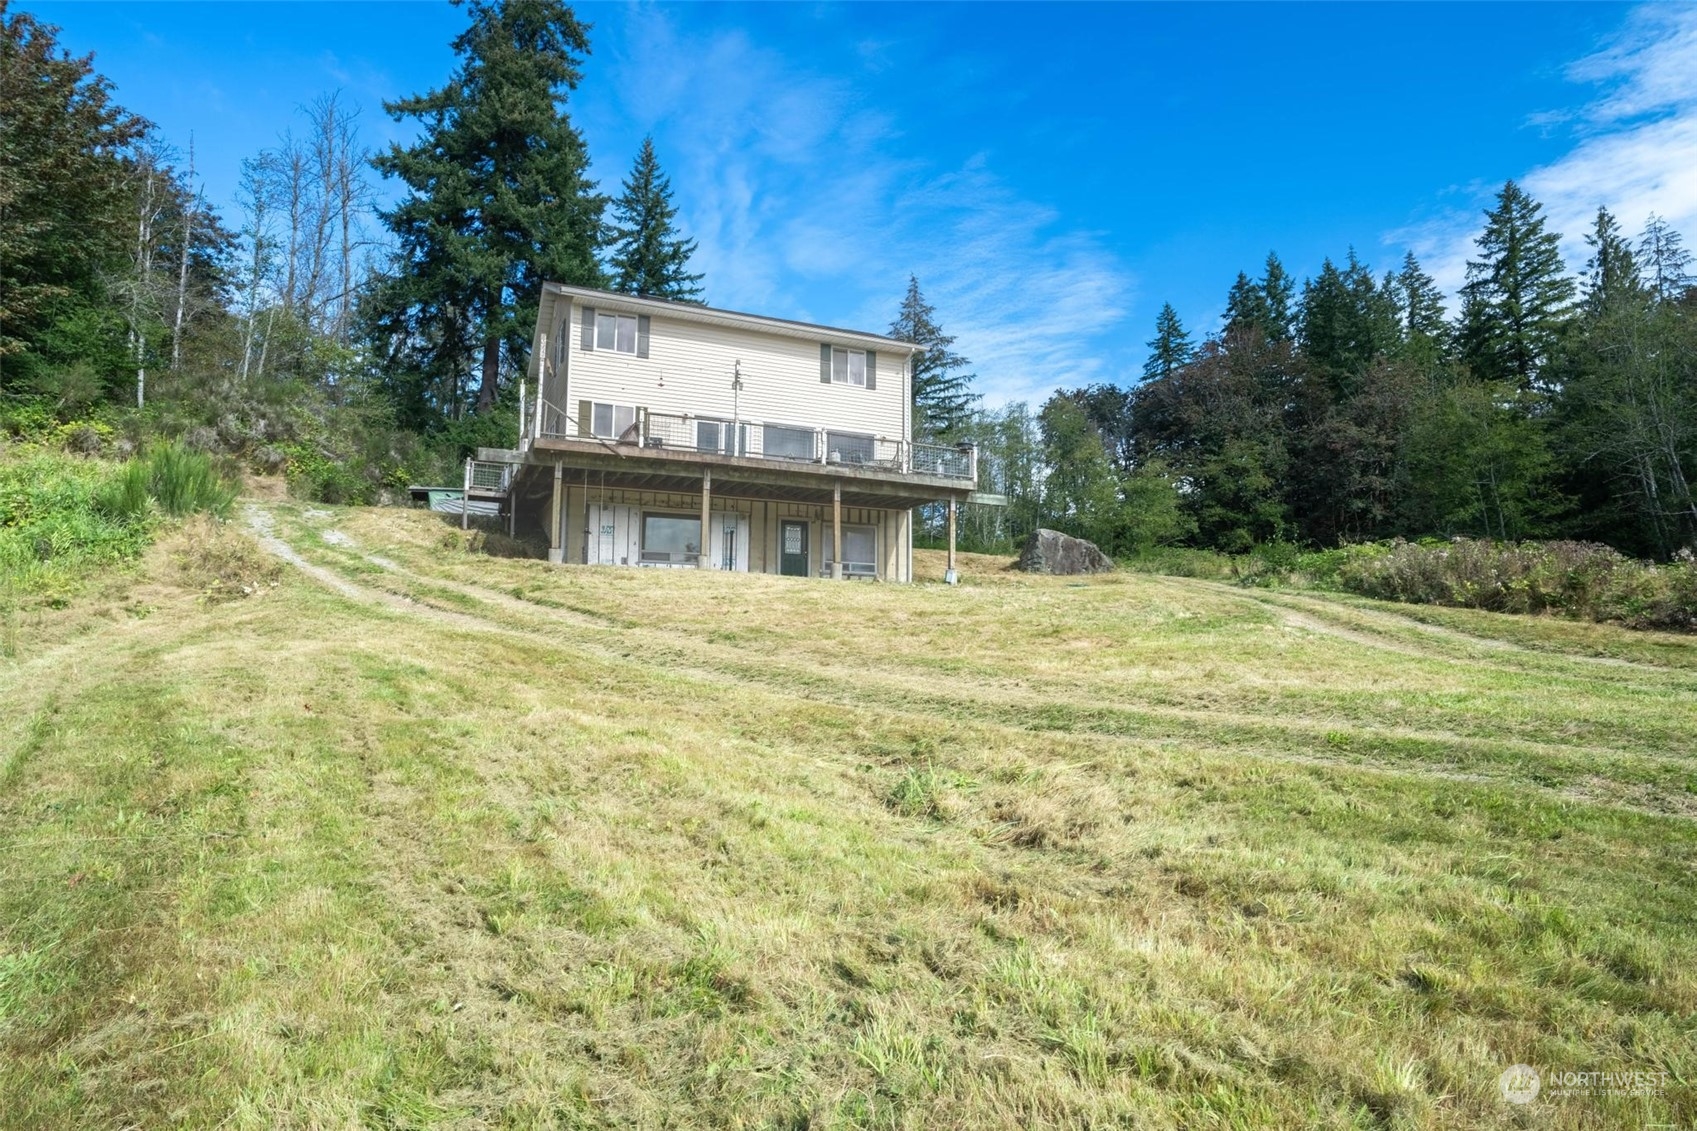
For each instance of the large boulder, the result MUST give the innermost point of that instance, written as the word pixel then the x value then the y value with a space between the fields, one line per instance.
pixel 1050 551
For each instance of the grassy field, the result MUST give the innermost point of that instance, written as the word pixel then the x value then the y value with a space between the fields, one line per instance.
pixel 422 837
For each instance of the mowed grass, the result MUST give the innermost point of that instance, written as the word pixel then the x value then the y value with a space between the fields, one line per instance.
pixel 429 838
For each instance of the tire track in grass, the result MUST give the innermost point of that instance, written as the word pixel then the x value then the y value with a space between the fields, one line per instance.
pixel 1296 741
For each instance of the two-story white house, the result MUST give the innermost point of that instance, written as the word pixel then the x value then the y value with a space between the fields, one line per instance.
pixel 674 435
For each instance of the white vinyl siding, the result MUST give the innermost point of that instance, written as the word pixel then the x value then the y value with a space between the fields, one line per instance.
pixel 690 367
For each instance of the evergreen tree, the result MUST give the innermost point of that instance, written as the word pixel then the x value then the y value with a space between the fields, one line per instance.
pixel 1517 294
pixel 1422 303
pixel 66 219
pixel 1246 309
pixel 1278 289
pixel 1169 348
pixel 1611 274
pixel 942 392
pixel 1346 321
pixel 499 199
pixel 1666 262
pixel 648 256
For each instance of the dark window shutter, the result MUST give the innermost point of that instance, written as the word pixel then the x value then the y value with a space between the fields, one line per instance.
pixel 824 364
pixel 871 369
pixel 584 408
pixel 642 335
pixel 589 327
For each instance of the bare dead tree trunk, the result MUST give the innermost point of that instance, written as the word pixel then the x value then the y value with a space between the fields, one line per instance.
pixel 258 198
pixel 142 286
pixel 293 169
pixel 183 269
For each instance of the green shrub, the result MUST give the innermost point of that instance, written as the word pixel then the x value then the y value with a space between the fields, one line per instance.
pixel 179 482
pixel 1181 561
pixel 184 482
pixel 1575 579
pixel 56 525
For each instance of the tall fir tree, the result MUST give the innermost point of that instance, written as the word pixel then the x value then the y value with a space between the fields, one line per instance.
pixel 1611 274
pixel 1517 295
pixel 1246 309
pixel 1421 302
pixel 1279 290
pixel 942 389
pixel 1666 263
pixel 648 256
pixel 499 197
pixel 1170 348
pixel 66 214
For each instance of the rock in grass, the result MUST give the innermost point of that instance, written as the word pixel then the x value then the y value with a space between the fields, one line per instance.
pixel 1050 551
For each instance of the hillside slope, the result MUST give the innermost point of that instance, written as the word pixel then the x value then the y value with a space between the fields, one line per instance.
pixel 424 837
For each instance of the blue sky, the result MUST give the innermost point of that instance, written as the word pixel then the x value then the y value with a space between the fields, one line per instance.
pixel 1052 173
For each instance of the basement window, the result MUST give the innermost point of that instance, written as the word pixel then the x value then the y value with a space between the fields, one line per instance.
pixel 670 538
pixel 860 550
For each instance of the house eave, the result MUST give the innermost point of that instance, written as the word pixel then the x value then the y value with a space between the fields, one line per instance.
pixel 714 316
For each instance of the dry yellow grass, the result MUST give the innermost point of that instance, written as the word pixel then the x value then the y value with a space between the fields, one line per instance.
pixel 467 841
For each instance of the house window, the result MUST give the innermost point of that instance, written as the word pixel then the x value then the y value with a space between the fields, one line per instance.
pixel 616 332
pixel 779 442
pixel 612 421
pixel 716 436
pixel 860 550
pixel 848 367
pixel 848 447
pixel 670 538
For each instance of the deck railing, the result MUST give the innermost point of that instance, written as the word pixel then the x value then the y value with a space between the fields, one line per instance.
pixel 486 478
pixel 664 431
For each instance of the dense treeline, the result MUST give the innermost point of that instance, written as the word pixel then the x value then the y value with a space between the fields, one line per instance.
pixel 1356 409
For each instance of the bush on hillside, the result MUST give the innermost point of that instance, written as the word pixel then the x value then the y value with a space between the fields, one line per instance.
pixel 170 477
pixel 54 527
pixel 1575 579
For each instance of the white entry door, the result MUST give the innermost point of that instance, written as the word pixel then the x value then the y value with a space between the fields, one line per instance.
pixel 730 544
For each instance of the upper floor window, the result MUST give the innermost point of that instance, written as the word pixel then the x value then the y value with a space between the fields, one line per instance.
pixel 848 367
pixel 616 332
pixel 612 421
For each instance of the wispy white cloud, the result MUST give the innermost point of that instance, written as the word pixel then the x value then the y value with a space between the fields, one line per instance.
pixel 809 202
pixel 1634 148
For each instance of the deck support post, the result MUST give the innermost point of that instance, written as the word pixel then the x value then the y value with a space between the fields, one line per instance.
pixel 837 530
pixel 706 500
pixel 950 577
pixel 557 518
